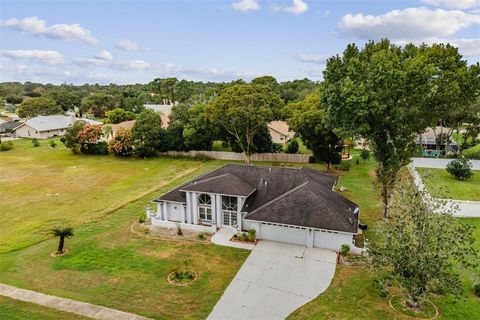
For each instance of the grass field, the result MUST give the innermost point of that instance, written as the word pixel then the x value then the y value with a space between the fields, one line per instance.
pixel 43 187
pixel 108 264
pixel 441 184
pixel 17 310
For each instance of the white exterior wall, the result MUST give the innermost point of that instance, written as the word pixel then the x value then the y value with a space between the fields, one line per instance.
pixel 331 239
pixel 26 131
pixel 174 211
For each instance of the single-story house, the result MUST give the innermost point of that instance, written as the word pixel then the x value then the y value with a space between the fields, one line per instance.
pixel 280 132
pixel 291 205
pixel 44 127
pixel 428 141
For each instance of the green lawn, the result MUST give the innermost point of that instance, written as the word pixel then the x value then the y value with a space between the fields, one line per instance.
pixel 351 294
pixel 43 187
pixel 441 184
pixel 17 310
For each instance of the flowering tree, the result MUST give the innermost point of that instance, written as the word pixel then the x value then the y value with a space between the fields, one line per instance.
pixel 122 143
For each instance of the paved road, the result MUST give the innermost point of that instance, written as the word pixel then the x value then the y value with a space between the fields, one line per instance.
pixel 439 163
pixel 275 280
pixel 68 305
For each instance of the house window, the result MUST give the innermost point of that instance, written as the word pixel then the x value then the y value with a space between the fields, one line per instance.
pixel 205 207
pixel 229 210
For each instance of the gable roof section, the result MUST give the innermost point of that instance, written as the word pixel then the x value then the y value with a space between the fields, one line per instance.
pixel 227 184
pixel 295 196
pixel 310 205
pixel 280 126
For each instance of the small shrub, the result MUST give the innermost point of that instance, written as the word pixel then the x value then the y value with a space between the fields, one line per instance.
pixel 252 235
pixel 179 230
pixel 292 146
pixel 6 145
pixel 476 289
pixel 202 235
pixel 183 271
pixel 365 155
pixel 53 144
pixel 460 169
pixel 277 147
pixel 142 218
pixel 344 249
pixel 35 142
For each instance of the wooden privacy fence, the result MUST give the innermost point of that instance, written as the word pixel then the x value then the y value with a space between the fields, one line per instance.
pixel 225 155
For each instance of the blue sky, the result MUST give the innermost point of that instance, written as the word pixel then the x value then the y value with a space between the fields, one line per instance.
pixel 136 41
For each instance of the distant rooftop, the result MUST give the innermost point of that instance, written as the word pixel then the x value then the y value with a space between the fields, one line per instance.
pixel 54 122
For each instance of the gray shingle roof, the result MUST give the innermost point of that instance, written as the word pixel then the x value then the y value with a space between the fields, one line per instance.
pixel 54 122
pixel 295 196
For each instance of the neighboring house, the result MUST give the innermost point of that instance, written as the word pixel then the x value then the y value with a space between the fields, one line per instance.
pixel 164 110
pixel 292 205
pixel 116 127
pixel 428 141
pixel 44 127
pixel 280 132
pixel 361 143
pixel 8 128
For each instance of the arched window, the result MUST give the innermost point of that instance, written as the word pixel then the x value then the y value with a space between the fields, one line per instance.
pixel 205 207
pixel 204 199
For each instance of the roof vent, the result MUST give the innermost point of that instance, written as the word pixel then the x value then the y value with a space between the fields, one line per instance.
pixel 269 169
pixel 261 181
pixel 351 221
pixel 356 210
pixel 266 183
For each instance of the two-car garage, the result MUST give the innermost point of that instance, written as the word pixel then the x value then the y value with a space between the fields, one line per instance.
pixel 302 236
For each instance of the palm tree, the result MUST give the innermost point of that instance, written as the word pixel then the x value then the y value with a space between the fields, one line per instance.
pixel 62 233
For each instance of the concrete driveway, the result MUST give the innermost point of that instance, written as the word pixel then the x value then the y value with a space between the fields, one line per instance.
pixel 275 280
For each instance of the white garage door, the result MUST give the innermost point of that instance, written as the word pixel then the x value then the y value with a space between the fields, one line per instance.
pixel 274 232
pixel 331 240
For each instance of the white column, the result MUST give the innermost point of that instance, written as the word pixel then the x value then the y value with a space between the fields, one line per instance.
pixel 183 213
pixel 195 208
pixel 189 208
pixel 310 234
pixel 165 211
pixel 239 213
pixel 214 207
pixel 159 211
pixel 219 210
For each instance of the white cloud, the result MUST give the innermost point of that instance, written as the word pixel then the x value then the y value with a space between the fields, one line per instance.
pixel 45 56
pixel 297 7
pixel 128 45
pixel 36 26
pixel 246 5
pixel 104 55
pixel 452 4
pixel 320 59
pixel 407 25
pixel 467 47
pixel 93 62
pixel 131 65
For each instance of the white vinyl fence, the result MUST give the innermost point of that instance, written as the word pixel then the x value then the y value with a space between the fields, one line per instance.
pixel 461 208
pixel 234 156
